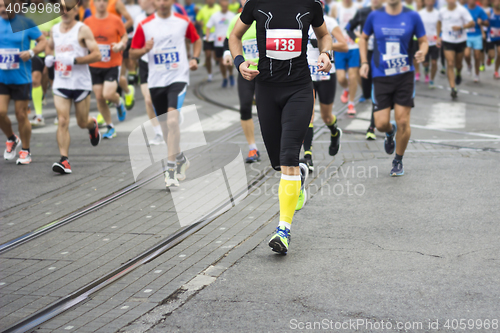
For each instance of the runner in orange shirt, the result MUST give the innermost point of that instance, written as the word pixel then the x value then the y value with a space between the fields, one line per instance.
pixel 110 35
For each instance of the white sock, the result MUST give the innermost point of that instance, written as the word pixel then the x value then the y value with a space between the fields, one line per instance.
pixel 284 224
pixel 252 146
pixel 350 103
pixel 157 129
pixel 119 102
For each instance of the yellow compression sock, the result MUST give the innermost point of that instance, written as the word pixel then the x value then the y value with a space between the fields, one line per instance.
pixel 288 192
pixel 37 97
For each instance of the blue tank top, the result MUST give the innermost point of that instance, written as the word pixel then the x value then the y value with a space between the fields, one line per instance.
pixel 494 28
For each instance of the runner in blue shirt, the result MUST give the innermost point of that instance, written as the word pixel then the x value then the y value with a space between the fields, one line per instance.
pixel 15 79
pixel 494 35
pixel 475 37
pixel 393 28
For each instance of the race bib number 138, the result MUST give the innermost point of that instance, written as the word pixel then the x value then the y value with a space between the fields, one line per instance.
pixel 283 44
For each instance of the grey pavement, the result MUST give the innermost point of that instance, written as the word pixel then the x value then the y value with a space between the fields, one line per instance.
pixel 366 248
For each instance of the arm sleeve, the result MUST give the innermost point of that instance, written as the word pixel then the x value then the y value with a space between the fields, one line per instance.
pixel 139 39
pixel 352 25
pixel 317 11
pixel 247 13
pixel 419 26
pixel 191 33
pixel 368 27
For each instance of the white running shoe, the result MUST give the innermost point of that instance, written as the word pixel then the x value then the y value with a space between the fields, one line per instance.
pixel 24 157
pixel 157 140
pixel 37 121
pixel 11 148
pixel 171 178
pixel 182 166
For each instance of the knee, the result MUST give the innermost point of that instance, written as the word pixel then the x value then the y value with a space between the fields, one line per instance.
pixel 403 124
pixel 107 95
pixel 172 120
pixel 63 121
pixel 21 114
pixel 246 114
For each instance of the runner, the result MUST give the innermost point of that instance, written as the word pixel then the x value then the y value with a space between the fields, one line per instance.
pixel 202 18
pixel 347 63
pixel 452 21
pixel 284 89
pixel 111 37
pixel 366 83
pixel 475 37
pixel 130 65
pixel 75 48
pixel 191 10
pixel 393 73
pixel 324 89
pixel 162 37
pixel 219 21
pixel 15 79
pixel 494 35
pixel 430 17
pixel 246 89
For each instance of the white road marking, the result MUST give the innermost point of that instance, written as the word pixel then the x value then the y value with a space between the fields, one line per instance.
pixel 447 115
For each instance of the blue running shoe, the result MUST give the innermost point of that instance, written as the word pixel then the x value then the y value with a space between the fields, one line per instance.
pixel 362 99
pixel 122 112
pixel 280 241
pixel 111 133
pixel 397 168
pixel 231 81
pixel 224 83
pixel 253 156
pixel 389 142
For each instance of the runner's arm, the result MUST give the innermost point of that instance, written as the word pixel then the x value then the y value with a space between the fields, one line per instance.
pixel 438 33
pixel 139 45
pixel 363 55
pixel 236 48
pixel 353 24
pixel 341 44
pixel 85 35
pixel 324 38
pixel 40 46
pixel 49 48
pixel 120 9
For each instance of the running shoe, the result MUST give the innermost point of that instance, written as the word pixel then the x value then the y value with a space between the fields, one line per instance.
pixel 210 78
pixel 389 142
pixel 345 96
pixel 253 156
pixel 443 71
pixel 458 79
pixel 481 68
pixel 469 70
pixel 95 136
pixel 308 160
pixel 335 143
pixel 427 78
pixel 417 77
pixel 130 98
pixel 397 168
pixel 432 85
pixel 56 121
pixel 11 148
pixel 110 133
pixel 231 81
pixel 370 134
pixel 122 112
pixel 454 93
pixel 100 120
pixel 351 111
pixel 157 140
pixel 489 61
pixel 171 178
pixel 362 99
pixel 182 166
pixel 280 241
pixel 24 157
pixel 304 171
pixel 37 121
pixel 224 83
pixel 62 167
pixel 476 78
pixel 496 76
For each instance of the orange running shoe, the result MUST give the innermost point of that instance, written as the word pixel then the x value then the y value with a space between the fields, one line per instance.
pixel 24 157
pixel 350 110
pixel 253 156
pixel 345 96
pixel 62 167
pixel 11 148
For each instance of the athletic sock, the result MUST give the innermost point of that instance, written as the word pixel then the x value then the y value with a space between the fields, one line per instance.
pixel 157 129
pixel 398 157
pixel 350 103
pixel 288 193
pixel 110 126
pixel 63 158
pixel 37 96
pixel 26 149
pixel 333 126
pixel 252 146
pixel 180 157
pixel 170 164
pixel 309 138
pixel 12 138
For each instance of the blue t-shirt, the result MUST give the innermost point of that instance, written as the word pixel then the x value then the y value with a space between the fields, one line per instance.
pixel 393 39
pixel 12 69
pixel 191 12
pixel 476 13
pixel 494 28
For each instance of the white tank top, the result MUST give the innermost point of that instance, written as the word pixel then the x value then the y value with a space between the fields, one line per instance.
pixel 73 77
pixel 344 15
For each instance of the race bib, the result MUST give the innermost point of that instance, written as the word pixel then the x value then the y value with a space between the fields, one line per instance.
pixel 9 59
pixel 471 30
pixel 166 59
pixel 432 39
pixel 456 34
pixel 494 32
pixel 219 41
pixel 283 44
pixel 250 48
pixel 395 63
pixel 63 71
pixel 105 52
pixel 316 75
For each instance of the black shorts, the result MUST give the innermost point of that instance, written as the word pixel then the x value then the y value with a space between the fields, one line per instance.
pixel 491 45
pixel 143 71
pixel 390 90
pixel 37 64
pixel 433 53
pixel 77 95
pixel 457 47
pixel 17 92
pixel 168 97
pixel 219 52
pixel 208 45
pixel 326 89
pixel 125 52
pixel 51 73
pixel 284 115
pixel 99 75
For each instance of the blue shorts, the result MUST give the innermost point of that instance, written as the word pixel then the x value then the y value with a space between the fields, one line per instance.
pixel 475 42
pixel 346 60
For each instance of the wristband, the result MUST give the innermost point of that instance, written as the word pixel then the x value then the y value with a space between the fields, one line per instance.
pixel 366 62
pixel 32 53
pixel 74 61
pixel 238 61
pixel 197 60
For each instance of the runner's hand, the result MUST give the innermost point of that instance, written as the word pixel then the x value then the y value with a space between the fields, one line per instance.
pixel 228 60
pixel 363 71
pixel 419 56
pixel 65 59
pixel 439 42
pixel 456 28
pixel 193 64
pixel 25 55
pixel 324 63
pixel 117 47
pixel 49 61
pixel 149 45
pixel 247 73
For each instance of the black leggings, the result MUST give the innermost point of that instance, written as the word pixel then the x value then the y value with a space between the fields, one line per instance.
pixel 366 84
pixel 246 90
pixel 284 114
